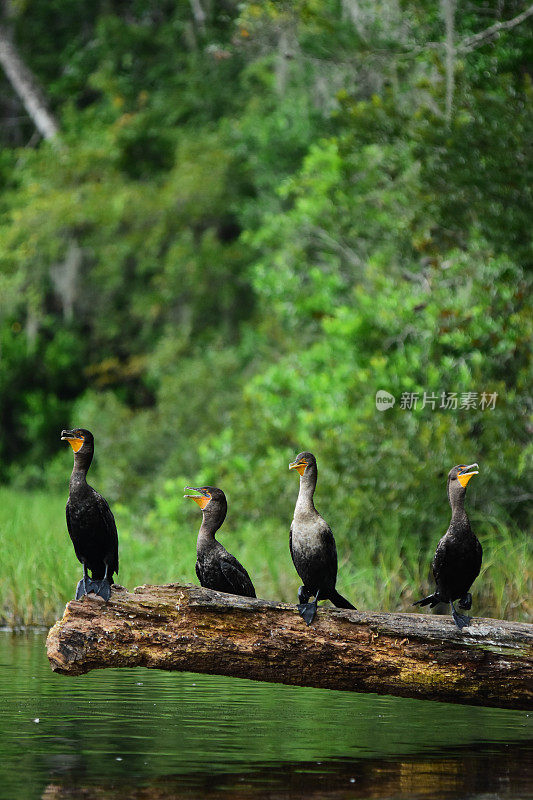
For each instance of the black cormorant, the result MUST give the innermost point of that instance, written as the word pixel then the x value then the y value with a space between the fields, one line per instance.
pixel 90 523
pixel 312 545
pixel 457 559
pixel 215 567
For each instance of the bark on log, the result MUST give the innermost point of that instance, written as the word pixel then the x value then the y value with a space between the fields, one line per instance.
pixel 188 628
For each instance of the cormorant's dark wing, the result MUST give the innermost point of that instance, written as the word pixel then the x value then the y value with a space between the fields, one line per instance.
pixel 71 533
pixel 456 564
pixel 330 553
pixel 330 568
pixel 439 559
pixel 236 576
pixel 198 573
pixel 479 556
pixel 69 524
pixel 109 523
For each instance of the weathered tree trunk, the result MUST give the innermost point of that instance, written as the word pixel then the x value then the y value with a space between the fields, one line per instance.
pixel 188 628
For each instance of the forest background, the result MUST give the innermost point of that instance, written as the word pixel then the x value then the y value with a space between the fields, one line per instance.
pixel 252 217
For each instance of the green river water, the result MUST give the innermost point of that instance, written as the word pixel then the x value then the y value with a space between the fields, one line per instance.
pixel 151 735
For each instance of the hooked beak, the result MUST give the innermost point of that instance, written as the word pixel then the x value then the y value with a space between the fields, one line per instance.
pixel 74 441
pixel 298 465
pixel 466 473
pixel 204 498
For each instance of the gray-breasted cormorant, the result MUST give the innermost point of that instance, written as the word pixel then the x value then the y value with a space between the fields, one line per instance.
pixel 215 567
pixel 457 559
pixel 90 523
pixel 312 545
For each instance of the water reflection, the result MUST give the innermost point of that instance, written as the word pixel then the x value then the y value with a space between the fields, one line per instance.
pixel 497 771
pixel 149 734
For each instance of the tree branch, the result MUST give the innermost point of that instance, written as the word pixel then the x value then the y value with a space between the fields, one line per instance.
pixel 479 39
pixel 26 87
pixel 467 45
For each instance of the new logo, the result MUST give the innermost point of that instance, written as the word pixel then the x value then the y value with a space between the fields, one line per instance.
pixel 384 400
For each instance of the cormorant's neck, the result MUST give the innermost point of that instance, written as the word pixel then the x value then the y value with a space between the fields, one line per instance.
pixel 82 462
pixel 307 490
pixel 210 525
pixel 459 515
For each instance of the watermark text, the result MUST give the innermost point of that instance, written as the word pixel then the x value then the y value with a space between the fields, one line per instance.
pixel 438 401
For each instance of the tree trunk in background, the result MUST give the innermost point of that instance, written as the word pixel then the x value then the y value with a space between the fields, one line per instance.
pixel 26 87
pixel 448 12
pixel 198 13
pixel 65 278
pixel 282 62
pixel 188 628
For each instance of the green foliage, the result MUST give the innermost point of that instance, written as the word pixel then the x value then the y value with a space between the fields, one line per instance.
pixel 250 227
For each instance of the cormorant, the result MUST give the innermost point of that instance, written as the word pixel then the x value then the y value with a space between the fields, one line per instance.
pixel 457 559
pixel 312 545
pixel 215 567
pixel 90 523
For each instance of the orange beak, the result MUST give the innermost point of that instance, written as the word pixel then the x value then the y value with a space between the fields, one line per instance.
pixel 202 501
pixel 464 477
pixel 300 466
pixel 76 444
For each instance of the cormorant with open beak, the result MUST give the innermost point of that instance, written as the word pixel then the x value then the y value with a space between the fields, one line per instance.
pixel 457 559
pixel 215 567
pixel 312 545
pixel 90 523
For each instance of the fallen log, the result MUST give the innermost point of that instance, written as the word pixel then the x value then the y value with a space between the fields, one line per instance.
pixel 192 629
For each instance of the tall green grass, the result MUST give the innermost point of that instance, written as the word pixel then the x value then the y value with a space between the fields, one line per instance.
pixel 39 571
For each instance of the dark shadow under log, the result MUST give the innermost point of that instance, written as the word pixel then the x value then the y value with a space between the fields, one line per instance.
pixel 188 628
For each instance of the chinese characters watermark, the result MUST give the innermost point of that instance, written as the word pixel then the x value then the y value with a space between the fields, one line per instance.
pixel 445 401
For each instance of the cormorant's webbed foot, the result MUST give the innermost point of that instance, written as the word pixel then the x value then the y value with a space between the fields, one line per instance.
pixel 461 620
pixel 103 588
pixel 80 589
pixel 87 586
pixel 308 611
pixel 466 602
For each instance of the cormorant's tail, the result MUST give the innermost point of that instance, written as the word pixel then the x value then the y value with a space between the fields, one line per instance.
pixel 432 600
pixel 340 601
